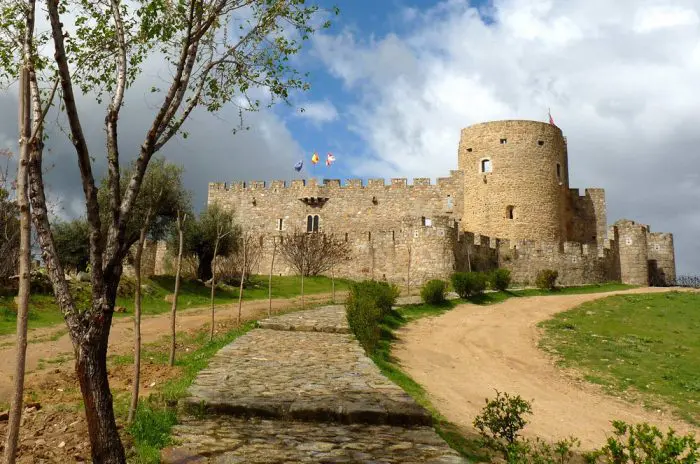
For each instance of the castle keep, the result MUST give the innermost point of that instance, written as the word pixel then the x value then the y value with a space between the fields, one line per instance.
pixel 508 204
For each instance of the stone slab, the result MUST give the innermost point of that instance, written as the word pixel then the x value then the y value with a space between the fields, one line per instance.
pixel 226 440
pixel 330 319
pixel 309 376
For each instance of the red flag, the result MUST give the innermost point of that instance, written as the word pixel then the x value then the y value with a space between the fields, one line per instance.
pixel 551 121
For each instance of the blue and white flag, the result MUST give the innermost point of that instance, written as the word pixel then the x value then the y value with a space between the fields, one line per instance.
pixel 299 165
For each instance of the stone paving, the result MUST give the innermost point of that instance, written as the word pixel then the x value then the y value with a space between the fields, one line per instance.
pixel 300 389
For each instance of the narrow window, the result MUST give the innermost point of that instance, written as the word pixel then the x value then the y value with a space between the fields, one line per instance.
pixel 393 236
pixel 309 223
pixel 469 150
pixel 509 212
pixel 261 241
pixel 504 141
pixel 422 220
pixel 369 236
pixel 540 142
pixel 280 223
pixel 449 202
pixel 486 165
pixel 558 171
pixel 316 218
pixel 346 236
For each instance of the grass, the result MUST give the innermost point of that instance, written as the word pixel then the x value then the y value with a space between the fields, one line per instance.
pixel 642 346
pixel 44 312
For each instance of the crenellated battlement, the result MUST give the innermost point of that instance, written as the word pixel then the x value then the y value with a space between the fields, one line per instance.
pixel 331 184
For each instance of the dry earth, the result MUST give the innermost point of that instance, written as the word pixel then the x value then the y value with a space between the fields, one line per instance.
pixel 53 343
pixel 462 356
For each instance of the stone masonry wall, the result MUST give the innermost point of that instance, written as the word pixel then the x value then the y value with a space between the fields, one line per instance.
pixel 632 240
pixel 662 259
pixel 587 216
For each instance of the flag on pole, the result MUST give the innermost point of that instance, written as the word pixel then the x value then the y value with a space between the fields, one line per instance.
pixel 551 120
pixel 314 158
pixel 329 159
pixel 299 165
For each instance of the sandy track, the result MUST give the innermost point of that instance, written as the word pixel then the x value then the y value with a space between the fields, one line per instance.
pixel 121 338
pixel 461 356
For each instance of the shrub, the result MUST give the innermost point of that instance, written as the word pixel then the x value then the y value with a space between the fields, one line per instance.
pixel 366 305
pixel 434 291
pixel 547 279
pixel 641 443
pixel 501 421
pixel 467 284
pixel 127 287
pixel 500 279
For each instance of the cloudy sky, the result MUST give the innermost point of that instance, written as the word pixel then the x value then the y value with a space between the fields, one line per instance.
pixel 394 81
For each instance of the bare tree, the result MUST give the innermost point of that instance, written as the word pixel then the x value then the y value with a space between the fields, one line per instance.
pixel 251 251
pixel 209 66
pixel 181 218
pixel 162 196
pixel 31 115
pixel 313 253
pixel 224 228
pixel 9 222
pixel 24 270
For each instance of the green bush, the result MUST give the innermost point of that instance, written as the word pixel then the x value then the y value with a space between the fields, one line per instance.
pixel 547 279
pixel 467 284
pixel 501 421
pixel 642 443
pixel 367 303
pixel 500 279
pixel 434 291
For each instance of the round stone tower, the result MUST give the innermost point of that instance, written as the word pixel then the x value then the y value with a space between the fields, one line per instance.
pixel 632 242
pixel 516 179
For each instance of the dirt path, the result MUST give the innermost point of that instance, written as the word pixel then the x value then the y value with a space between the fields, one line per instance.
pixel 461 356
pixel 52 342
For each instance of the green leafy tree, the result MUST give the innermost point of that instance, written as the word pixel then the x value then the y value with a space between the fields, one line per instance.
pixel 72 240
pixel 212 234
pixel 209 65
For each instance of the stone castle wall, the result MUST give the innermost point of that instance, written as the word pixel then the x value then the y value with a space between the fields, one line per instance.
pixel 528 174
pixel 521 215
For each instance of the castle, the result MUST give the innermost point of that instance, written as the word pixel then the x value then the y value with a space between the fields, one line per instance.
pixel 507 205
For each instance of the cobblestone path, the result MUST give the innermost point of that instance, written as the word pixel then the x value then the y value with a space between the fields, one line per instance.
pixel 300 389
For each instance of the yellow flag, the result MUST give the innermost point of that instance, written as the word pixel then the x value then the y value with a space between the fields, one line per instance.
pixel 314 159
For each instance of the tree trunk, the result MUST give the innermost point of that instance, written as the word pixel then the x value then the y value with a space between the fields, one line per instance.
pixel 137 328
pixel 213 286
pixel 332 285
pixel 176 292
pixel 24 272
pixel 90 368
pixel 240 290
pixel 269 282
pixel 204 268
pixel 302 288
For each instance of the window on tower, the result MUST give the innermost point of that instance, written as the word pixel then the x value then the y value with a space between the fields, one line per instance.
pixel 312 223
pixel 510 213
pixel 485 165
pixel 558 171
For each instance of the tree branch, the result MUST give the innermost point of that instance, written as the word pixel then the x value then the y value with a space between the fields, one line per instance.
pixel 81 149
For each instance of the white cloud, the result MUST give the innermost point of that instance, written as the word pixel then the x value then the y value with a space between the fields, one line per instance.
pixel 319 112
pixel 620 78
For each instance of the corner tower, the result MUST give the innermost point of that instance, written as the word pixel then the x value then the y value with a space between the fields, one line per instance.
pixel 516 178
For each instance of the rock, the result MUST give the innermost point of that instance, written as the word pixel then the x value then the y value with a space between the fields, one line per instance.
pixel 62 444
pixel 35 405
pixel 82 277
pixel 119 309
pixel 169 298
